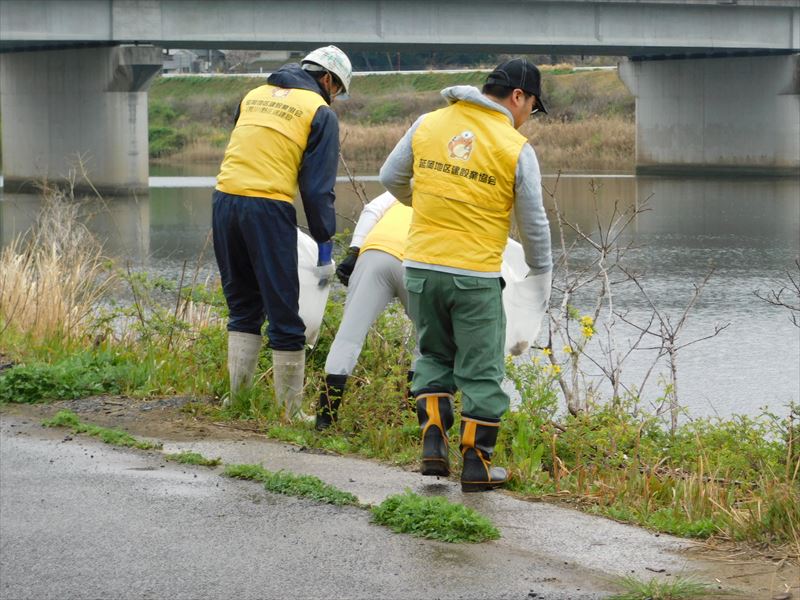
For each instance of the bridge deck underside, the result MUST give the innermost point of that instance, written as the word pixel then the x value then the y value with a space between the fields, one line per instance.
pixel 621 27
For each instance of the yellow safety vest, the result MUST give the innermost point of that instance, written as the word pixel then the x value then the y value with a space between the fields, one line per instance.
pixel 465 160
pixel 390 233
pixel 266 147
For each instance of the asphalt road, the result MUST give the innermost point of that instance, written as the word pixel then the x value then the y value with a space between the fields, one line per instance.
pixel 80 519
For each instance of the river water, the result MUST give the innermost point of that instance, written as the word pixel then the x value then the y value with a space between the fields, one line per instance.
pixel 748 230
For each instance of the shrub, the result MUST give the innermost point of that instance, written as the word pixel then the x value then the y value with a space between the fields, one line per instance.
pixel 165 140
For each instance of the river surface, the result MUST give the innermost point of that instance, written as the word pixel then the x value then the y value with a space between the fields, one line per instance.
pixel 748 230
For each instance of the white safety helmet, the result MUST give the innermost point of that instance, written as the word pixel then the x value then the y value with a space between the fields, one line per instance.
pixel 334 60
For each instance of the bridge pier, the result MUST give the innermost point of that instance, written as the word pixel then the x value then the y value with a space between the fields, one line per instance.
pixel 731 115
pixel 81 105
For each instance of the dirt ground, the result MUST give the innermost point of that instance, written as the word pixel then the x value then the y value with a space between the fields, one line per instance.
pixel 766 574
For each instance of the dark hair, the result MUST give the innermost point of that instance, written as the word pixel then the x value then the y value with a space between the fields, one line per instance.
pixel 501 92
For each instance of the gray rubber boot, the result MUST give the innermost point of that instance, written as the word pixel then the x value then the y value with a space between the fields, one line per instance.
pixel 288 371
pixel 243 349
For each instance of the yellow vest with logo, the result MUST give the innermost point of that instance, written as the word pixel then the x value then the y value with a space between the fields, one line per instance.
pixel 266 147
pixel 465 160
pixel 390 233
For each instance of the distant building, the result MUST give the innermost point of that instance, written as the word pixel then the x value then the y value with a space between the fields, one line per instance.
pixel 259 61
pixel 193 61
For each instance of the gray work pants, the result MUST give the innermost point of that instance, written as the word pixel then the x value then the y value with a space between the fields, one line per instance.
pixel 376 280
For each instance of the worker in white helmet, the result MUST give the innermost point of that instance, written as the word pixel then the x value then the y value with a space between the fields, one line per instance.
pixel 286 139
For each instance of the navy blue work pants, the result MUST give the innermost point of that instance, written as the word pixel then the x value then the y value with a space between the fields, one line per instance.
pixel 255 242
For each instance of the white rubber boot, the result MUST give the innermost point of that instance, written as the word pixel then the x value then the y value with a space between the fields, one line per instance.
pixel 243 349
pixel 288 371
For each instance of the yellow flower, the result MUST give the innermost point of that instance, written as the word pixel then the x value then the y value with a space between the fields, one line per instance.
pixel 567 349
pixel 588 332
pixel 536 360
pixel 546 351
pixel 556 369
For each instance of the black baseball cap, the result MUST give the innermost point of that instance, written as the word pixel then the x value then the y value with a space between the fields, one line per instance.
pixel 519 73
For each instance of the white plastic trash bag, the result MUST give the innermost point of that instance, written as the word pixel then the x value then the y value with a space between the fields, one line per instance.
pixel 524 300
pixel 313 289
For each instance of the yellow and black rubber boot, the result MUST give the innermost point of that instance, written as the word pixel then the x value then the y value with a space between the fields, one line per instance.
pixel 435 414
pixel 478 438
pixel 329 401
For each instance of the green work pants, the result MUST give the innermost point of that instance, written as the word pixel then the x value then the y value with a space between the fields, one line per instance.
pixel 461 330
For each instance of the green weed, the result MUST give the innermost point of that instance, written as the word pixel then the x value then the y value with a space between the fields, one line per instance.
pixel 680 588
pixel 115 437
pixel 289 484
pixel 193 458
pixel 433 518
pixel 249 472
pixel 83 374
pixel 307 486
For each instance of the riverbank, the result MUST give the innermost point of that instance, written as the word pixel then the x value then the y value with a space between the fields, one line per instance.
pixel 590 124
pixel 733 479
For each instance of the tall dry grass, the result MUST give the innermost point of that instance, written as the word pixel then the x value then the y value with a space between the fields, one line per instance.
pixel 198 150
pixel 365 147
pixel 590 125
pixel 53 276
pixel 602 143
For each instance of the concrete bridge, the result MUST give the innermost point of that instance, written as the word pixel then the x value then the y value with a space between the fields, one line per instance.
pixel 717 82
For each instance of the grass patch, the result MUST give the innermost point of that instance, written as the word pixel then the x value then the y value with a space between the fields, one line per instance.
pixel 193 458
pixel 248 472
pixel 680 588
pixel 664 519
pixel 289 484
pixel 115 437
pixel 307 486
pixel 433 518
pixel 79 375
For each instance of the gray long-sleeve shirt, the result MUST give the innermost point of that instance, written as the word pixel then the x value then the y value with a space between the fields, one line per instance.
pixel 534 228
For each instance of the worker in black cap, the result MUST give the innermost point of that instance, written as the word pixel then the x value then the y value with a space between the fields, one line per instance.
pixel 471 168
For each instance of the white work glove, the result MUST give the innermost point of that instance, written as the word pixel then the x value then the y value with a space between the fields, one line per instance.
pixel 323 273
pixel 535 292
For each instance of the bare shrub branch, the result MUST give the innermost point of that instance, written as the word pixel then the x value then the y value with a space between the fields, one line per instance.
pixel 787 295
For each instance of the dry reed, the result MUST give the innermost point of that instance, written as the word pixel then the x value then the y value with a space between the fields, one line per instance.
pixel 365 147
pixel 198 150
pixel 52 277
pixel 597 144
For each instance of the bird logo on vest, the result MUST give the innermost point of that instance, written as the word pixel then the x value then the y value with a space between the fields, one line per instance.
pixel 460 146
pixel 281 92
